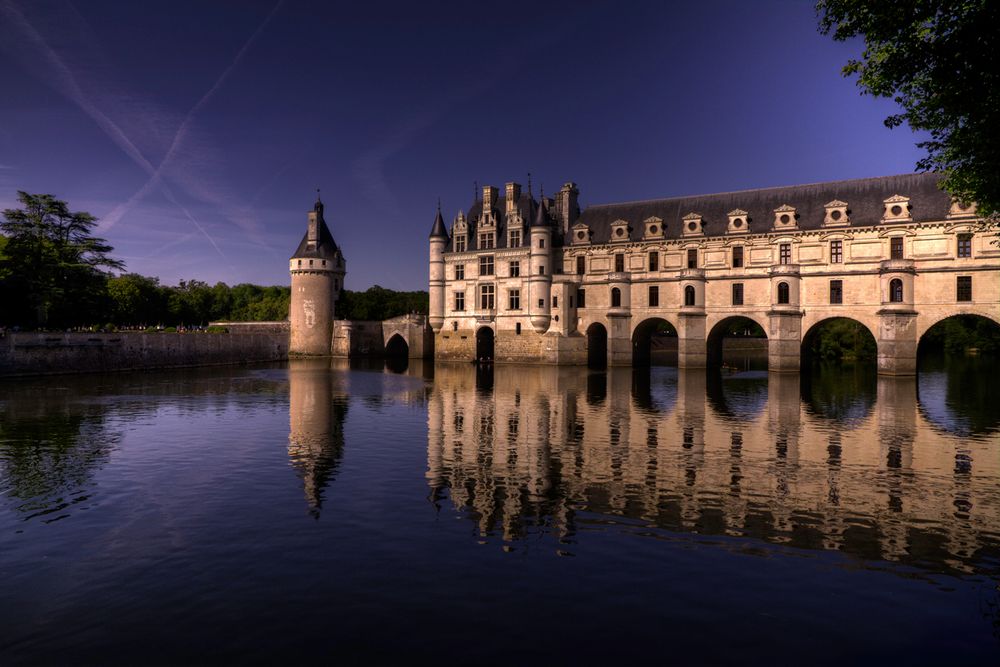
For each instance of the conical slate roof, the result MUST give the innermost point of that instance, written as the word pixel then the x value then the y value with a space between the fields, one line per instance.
pixel 439 230
pixel 325 248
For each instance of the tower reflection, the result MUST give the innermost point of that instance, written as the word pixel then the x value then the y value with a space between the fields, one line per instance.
pixel 317 410
pixel 550 451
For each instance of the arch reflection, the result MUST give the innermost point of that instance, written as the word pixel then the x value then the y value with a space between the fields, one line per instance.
pixel 542 455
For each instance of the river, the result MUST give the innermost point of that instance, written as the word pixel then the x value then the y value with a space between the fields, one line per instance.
pixel 311 510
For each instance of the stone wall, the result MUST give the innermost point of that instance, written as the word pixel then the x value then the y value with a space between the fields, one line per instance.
pixel 55 353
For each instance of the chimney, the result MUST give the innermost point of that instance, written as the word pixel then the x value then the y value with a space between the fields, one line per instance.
pixel 489 197
pixel 567 206
pixel 313 235
pixel 513 194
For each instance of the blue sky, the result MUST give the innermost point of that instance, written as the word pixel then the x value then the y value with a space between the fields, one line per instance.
pixel 199 131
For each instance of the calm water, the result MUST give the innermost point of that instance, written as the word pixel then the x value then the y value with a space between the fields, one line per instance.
pixel 284 514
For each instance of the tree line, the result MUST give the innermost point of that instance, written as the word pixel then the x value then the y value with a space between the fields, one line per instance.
pixel 55 274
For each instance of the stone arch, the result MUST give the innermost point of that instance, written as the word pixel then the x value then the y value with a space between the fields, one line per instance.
pixel 809 334
pixel 969 319
pixel 925 323
pixel 597 346
pixel 645 349
pixel 717 334
pixel 485 344
pixel 397 346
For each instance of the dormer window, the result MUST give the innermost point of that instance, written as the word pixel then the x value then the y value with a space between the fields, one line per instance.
pixel 486 240
pixel 514 238
pixel 897 209
pixel 739 221
pixel 460 243
pixel 653 228
pixel 961 210
pixel 620 231
pixel 836 214
pixel 785 217
pixel 580 234
pixel 692 224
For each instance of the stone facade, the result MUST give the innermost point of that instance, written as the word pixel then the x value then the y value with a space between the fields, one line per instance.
pixel 522 280
pixel 317 269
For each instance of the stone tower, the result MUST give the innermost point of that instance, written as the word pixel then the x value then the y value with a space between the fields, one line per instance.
pixel 540 263
pixel 317 269
pixel 438 241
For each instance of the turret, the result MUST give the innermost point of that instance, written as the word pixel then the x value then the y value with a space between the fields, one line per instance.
pixel 318 270
pixel 540 281
pixel 438 241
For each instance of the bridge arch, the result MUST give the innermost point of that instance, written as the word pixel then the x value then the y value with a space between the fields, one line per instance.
pixel 847 338
pixel 724 328
pixel 926 323
pixel 397 346
pixel 647 338
pixel 597 346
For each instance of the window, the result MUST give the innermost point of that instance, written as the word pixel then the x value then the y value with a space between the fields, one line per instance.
pixel 689 296
pixel 616 297
pixel 487 297
pixel 555 302
pixel 486 265
pixel 517 329
pixel 785 253
pixel 619 263
pixel 896 290
pixel 654 261
pixel 541 270
pixel 454 324
pixel 654 296
pixel 692 258
pixel 965 245
pixel 581 298
pixel 460 272
pixel 737 256
pixel 581 265
pixel 460 243
pixel 836 291
pixel 514 299
pixel 515 269
pixel 486 240
pixel 737 294
pixel 541 243
pixel 783 293
pixel 896 247
pixel 541 303
pixel 964 288
pixel 459 300
pixel 836 251
pixel 515 238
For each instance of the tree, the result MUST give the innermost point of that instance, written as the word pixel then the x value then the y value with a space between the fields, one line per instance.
pixel 53 269
pixel 940 61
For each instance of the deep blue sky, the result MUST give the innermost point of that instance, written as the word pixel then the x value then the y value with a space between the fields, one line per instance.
pixel 198 131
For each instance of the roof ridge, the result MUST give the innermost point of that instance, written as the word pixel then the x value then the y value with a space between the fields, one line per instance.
pixel 769 188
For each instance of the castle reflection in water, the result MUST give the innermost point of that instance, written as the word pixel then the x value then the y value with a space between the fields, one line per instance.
pixel 542 450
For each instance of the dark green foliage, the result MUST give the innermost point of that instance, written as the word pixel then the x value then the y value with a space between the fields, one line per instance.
pixel 841 339
pixel 938 59
pixel 961 334
pixel 52 269
pixel 379 303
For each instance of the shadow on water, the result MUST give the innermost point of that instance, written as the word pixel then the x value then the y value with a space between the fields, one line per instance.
pixel 960 394
pixel 840 392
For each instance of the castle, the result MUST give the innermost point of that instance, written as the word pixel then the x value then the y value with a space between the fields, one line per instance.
pixel 520 280
pixel 317 269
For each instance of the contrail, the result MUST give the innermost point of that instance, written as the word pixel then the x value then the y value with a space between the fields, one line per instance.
pixel 72 90
pixel 112 218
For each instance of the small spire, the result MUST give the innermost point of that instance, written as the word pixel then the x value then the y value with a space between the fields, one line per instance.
pixel 438 230
pixel 529 184
pixel 317 195
pixel 475 191
pixel 439 204
pixel 541 220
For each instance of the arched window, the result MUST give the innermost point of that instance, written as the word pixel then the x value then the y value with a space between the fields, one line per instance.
pixel 689 296
pixel 896 290
pixel 616 297
pixel 782 292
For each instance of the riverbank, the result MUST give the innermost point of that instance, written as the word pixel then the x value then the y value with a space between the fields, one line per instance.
pixel 23 354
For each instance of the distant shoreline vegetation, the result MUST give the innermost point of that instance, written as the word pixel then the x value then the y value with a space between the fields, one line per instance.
pixel 55 275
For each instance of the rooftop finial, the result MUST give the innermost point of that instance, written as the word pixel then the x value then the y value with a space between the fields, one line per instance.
pixel 317 195
pixel 529 184
pixel 475 191
pixel 439 204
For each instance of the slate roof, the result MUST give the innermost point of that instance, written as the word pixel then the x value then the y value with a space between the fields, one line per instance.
pixel 439 230
pixel 864 198
pixel 326 248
